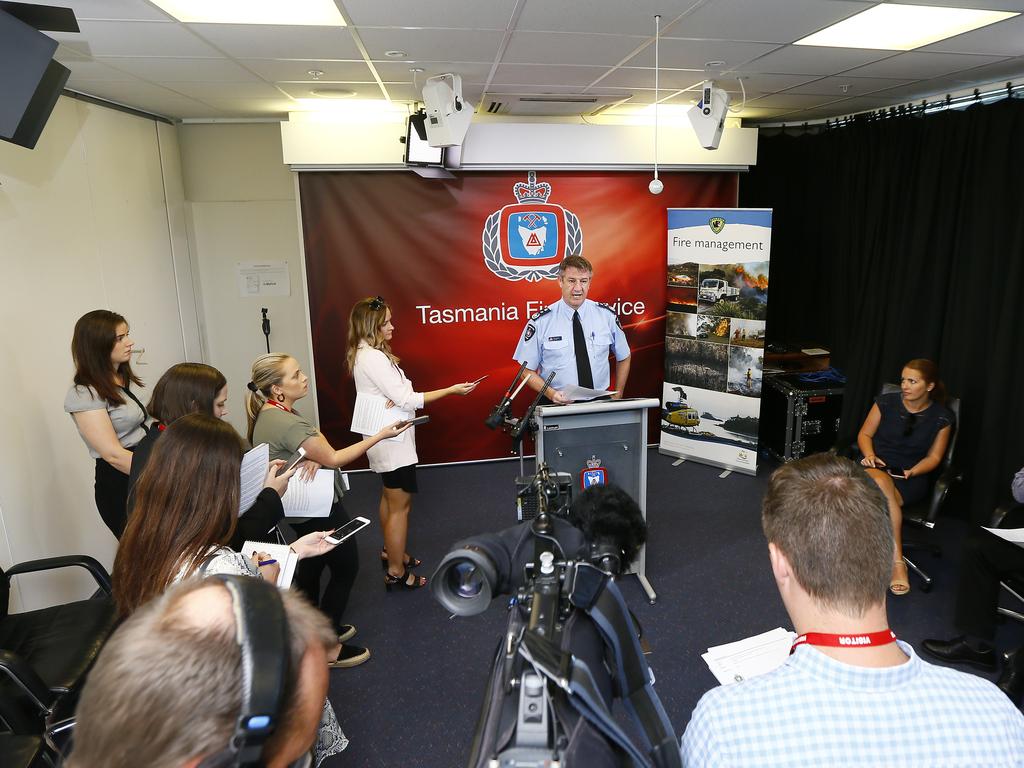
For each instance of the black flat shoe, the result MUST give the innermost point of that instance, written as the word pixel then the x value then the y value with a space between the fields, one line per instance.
pixel 403 581
pixel 1011 681
pixel 959 651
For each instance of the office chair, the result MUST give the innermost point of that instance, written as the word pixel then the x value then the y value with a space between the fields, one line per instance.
pixel 1011 515
pixel 45 654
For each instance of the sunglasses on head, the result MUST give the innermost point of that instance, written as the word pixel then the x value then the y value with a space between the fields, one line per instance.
pixel 909 422
pixel 377 304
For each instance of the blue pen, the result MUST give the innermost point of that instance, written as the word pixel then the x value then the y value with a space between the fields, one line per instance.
pixel 261 563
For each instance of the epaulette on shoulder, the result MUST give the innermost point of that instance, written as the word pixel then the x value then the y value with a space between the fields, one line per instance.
pixel 540 313
pixel 602 305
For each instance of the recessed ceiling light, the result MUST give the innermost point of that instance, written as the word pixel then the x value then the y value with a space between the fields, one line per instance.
pixel 395 54
pixel 314 13
pixel 316 74
pixel 896 27
pixel 333 93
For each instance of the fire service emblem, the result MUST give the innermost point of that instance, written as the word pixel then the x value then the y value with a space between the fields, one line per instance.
pixel 528 239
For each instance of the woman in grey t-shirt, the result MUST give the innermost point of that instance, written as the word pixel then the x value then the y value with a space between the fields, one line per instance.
pixel 110 419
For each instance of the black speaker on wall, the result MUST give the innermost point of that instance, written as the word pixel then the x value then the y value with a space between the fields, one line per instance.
pixel 30 80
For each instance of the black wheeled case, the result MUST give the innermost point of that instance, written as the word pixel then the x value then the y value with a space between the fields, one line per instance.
pixel 799 417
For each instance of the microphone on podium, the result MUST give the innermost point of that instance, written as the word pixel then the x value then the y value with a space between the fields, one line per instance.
pixel 517 431
pixel 500 411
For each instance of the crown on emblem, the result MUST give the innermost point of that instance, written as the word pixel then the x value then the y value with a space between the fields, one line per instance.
pixel 531 191
pixel 593 462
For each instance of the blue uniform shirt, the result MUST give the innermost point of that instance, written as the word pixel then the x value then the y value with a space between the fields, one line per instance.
pixel 546 343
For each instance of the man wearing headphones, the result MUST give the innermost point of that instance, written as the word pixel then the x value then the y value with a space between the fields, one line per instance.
pixel 228 671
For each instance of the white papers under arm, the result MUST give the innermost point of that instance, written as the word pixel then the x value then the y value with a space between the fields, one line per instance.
pixel 750 657
pixel 253 474
pixel 311 498
pixel 576 392
pixel 1013 535
pixel 370 415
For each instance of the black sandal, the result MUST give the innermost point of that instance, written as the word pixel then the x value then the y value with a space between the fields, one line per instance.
pixel 402 582
pixel 413 562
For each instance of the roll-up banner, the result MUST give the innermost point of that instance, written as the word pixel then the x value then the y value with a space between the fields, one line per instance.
pixel 464 262
pixel 716 307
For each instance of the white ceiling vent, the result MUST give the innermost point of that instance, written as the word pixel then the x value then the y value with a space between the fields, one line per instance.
pixel 549 104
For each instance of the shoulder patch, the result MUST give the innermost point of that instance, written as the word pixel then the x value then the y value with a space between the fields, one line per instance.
pixel 602 305
pixel 540 313
pixel 530 330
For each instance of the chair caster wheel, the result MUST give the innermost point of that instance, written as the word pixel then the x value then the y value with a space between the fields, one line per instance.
pixel 926 586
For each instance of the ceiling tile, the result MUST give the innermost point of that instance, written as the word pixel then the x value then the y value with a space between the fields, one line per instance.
pixel 149 98
pixel 433 44
pixel 134 38
pixel 546 74
pixel 1002 38
pixel 642 77
pixel 398 71
pixel 159 69
pixel 243 41
pixel 790 100
pixel 297 70
pixel 1006 69
pixel 566 48
pixel 244 107
pixel 471 92
pixel 774 21
pixel 464 14
pixel 304 90
pixel 694 54
pixel 86 69
pixel 813 60
pixel 632 18
pixel 138 10
pixel 917 65
pixel 855 86
pixel 760 82
pixel 204 91
pixel 986 5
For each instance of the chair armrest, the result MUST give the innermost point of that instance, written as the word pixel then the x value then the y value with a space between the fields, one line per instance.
pixel 1000 513
pixel 93 566
pixel 19 671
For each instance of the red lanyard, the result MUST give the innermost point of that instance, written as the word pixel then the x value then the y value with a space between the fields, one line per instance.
pixel 276 404
pixel 870 639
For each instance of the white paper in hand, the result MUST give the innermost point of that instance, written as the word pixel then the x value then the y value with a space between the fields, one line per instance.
pixel 370 415
pixel 750 657
pixel 254 472
pixel 311 498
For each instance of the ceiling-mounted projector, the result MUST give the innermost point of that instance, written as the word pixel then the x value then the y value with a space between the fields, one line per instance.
pixel 708 116
pixel 448 116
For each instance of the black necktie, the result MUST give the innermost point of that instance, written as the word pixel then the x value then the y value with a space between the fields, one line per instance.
pixel 579 341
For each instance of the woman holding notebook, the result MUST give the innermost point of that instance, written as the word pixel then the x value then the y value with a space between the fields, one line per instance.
pixel 374 368
pixel 277 384
pixel 172 536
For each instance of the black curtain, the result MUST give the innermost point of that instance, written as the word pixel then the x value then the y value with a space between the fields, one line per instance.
pixel 901 238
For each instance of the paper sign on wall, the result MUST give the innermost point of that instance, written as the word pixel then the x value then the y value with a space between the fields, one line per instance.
pixel 263 278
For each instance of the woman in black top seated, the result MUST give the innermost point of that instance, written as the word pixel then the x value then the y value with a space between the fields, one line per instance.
pixel 903 440
pixel 197 388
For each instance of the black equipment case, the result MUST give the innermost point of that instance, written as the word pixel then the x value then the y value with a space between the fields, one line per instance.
pixel 799 417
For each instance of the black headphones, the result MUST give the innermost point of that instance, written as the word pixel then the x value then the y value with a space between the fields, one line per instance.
pixel 261 629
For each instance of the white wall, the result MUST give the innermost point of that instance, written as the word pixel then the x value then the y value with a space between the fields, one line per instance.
pixel 91 218
pixel 242 206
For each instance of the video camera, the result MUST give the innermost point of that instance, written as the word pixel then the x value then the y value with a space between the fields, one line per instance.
pixel 571 645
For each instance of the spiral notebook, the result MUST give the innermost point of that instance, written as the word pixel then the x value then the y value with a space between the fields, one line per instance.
pixel 284 555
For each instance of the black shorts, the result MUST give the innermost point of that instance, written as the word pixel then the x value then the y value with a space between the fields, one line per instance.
pixel 403 478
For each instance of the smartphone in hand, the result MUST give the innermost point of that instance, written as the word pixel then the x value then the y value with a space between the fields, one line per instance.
pixel 897 472
pixel 354 525
pixel 294 459
pixel 414 422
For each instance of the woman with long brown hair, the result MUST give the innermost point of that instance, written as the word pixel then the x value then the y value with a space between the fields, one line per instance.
pixel 277 384
pixel 374 368
pixel 199 388
pixel 109 417
pixel 177 533
pixel 902 440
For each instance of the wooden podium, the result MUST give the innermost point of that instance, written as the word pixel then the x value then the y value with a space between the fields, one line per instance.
pixel 582 438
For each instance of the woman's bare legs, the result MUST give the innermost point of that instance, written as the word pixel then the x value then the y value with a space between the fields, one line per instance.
pixel 895 502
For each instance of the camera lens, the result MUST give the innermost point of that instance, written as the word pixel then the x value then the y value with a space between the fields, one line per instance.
pixel 465 580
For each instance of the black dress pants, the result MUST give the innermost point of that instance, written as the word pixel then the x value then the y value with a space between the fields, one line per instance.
pixel 987 560
pixel 111 493
pixel 342 563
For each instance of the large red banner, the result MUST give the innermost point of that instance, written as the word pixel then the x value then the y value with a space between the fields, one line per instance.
pixel 464 262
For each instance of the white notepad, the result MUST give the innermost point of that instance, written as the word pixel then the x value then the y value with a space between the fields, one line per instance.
pixel 284 555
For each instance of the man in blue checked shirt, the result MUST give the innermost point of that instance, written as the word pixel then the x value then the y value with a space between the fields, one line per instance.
pixel 850 692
